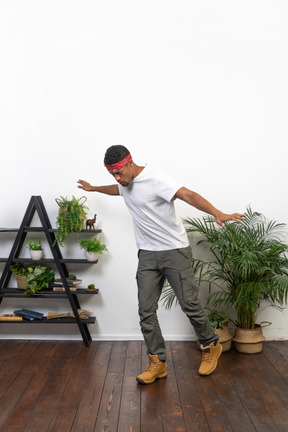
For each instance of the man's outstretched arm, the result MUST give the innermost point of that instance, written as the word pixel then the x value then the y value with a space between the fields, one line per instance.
pixel 108 190
pixel 202 204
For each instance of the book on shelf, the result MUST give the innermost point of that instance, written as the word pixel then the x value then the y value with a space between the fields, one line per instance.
pixel 62 288
pixel 28 315
pixel 70 282
pixel 27 318
pixel 10 317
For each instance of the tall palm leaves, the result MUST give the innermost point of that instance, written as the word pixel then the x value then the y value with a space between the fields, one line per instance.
pixel 249 257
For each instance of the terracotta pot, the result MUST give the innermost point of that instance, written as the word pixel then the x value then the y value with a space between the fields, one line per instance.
pixel 249 341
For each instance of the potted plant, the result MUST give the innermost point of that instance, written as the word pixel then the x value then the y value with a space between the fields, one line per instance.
pixel 39 277
pixel 93 248
pixel 248 267
pixel 21 272
pixel 35 249
pixel 71 216
pixel 91 287
pixel 219 322
pixel 218 319
pixel 36 277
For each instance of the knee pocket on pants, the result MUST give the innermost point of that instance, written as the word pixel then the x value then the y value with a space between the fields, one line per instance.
pixel 185 287
pixel 189 289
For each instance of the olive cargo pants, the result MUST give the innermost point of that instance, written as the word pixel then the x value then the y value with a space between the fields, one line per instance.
pixel 176 266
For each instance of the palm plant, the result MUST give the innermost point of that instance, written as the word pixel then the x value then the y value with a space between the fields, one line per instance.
pixel 248 266
pixel 168 295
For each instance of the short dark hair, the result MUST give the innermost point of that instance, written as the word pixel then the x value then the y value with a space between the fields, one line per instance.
pixel 115 154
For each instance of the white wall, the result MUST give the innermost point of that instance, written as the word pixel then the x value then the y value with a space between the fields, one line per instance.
pixel 197 88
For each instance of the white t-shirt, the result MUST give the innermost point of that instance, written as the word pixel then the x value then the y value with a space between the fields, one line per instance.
pixel 149 200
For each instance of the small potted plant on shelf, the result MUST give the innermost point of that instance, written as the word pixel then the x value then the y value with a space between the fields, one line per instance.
pixel 91 288
pixel 35 249
pixel 248 268
pixel 33 278
pixel 71 216
pixel 93 248
pixel 21 272
pixel 39 277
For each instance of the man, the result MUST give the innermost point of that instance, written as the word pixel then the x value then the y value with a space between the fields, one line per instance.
pixel 164 252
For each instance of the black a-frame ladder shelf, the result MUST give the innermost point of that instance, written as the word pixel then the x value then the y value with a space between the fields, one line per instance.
pixel 36 205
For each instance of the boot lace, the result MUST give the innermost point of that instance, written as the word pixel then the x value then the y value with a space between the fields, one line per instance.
pixel 152 367
pixel 207 354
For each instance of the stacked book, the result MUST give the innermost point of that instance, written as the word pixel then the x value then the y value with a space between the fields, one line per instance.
pixel 10 317
pixel 28 315
pixel 72 283
pixel 22 314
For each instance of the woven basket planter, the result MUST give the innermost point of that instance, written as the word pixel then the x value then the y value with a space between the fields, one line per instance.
pixel 249 341
pixel 21 282
pixel 225 338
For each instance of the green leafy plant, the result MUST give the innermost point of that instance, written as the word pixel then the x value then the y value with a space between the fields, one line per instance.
pixel 72 277
pixel 91 287
pixel 92 245
pixel 249 265
pixel 71 215
pixel 35 245
pixel 218 319
pixel 38 277
pixel 19 269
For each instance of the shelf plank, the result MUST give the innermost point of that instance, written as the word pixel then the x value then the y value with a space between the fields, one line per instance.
pixel 95 231
pixel 49 261
pixel 66 320
pixel 52 260
pixel 15 292
pixel 52 230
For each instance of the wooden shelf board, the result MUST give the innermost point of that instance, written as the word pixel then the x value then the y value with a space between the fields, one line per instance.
pixel 52 260
pixel 15 292
pixel 66 320
pixel 51 230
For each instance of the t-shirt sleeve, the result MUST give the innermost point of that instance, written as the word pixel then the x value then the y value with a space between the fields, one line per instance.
pixel 166 187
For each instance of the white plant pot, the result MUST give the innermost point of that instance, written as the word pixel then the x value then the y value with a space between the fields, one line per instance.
pixel 36 254
pixel 91 256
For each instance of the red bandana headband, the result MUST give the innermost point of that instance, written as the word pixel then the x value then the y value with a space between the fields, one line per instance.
pixel 117 166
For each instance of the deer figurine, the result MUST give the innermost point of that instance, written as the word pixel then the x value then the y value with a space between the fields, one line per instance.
pixel 90 223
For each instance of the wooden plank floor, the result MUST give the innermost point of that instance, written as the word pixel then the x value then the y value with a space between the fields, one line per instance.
pixel 64 386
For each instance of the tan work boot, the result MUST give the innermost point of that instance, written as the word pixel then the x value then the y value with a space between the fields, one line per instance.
pixel 156 370
pixel 210 356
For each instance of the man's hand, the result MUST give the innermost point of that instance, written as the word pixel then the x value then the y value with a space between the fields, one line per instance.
pixel 85 185
pixel 221 218
pixel 197 201
pixel 108 190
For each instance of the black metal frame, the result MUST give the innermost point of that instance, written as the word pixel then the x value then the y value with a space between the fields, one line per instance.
pixel 36 204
